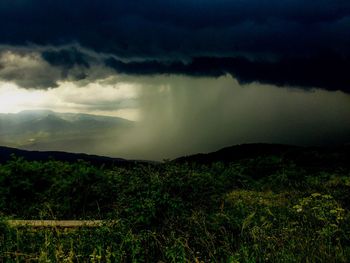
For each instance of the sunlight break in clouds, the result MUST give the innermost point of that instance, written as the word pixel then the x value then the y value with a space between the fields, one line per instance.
pixel 101 97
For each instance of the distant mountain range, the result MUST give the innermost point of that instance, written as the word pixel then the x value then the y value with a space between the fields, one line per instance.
pixel 309 157
pixel 48 130
pixel 55 134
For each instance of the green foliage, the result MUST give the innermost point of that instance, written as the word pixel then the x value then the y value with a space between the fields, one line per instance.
pixel 266 209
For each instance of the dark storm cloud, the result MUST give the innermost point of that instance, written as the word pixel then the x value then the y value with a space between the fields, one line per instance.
pixel 67 58
pixel 283 42
pixel 329 72
pixel 42 67
pixel 27 69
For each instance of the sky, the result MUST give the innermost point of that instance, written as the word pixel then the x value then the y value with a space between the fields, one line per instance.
pixel 195 75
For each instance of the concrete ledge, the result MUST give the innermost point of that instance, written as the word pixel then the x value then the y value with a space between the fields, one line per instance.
pixel 56 223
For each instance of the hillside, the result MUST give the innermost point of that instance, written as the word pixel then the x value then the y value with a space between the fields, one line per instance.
pixel 317 157
pixel 7 153
pixel 262 203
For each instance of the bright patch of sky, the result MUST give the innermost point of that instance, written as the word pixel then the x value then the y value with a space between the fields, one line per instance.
pixel 103 97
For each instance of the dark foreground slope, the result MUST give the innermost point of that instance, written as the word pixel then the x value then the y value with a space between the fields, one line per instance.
pixel 306 156
pixel 338 156
pixel 269 207
pixel 7 153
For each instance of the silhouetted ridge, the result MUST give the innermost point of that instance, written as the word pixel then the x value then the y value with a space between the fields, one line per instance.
pixel 7 152
pixel 304 156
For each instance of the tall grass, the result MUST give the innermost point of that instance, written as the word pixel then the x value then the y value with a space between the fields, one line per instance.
pixel 259 210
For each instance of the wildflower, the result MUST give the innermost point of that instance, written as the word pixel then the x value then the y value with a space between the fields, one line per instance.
pixel 298 208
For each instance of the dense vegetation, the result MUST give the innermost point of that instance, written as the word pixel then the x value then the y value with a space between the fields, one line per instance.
pixel 261 209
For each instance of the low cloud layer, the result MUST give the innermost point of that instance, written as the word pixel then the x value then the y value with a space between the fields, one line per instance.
pixel 328 72
pixel 279 42
pixel 44 67
pixel 27 69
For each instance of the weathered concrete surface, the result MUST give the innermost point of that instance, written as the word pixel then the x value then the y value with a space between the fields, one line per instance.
pixel 56 223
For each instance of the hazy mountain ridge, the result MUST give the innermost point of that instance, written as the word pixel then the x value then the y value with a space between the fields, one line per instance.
pixel 48 130
pixel 39 115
